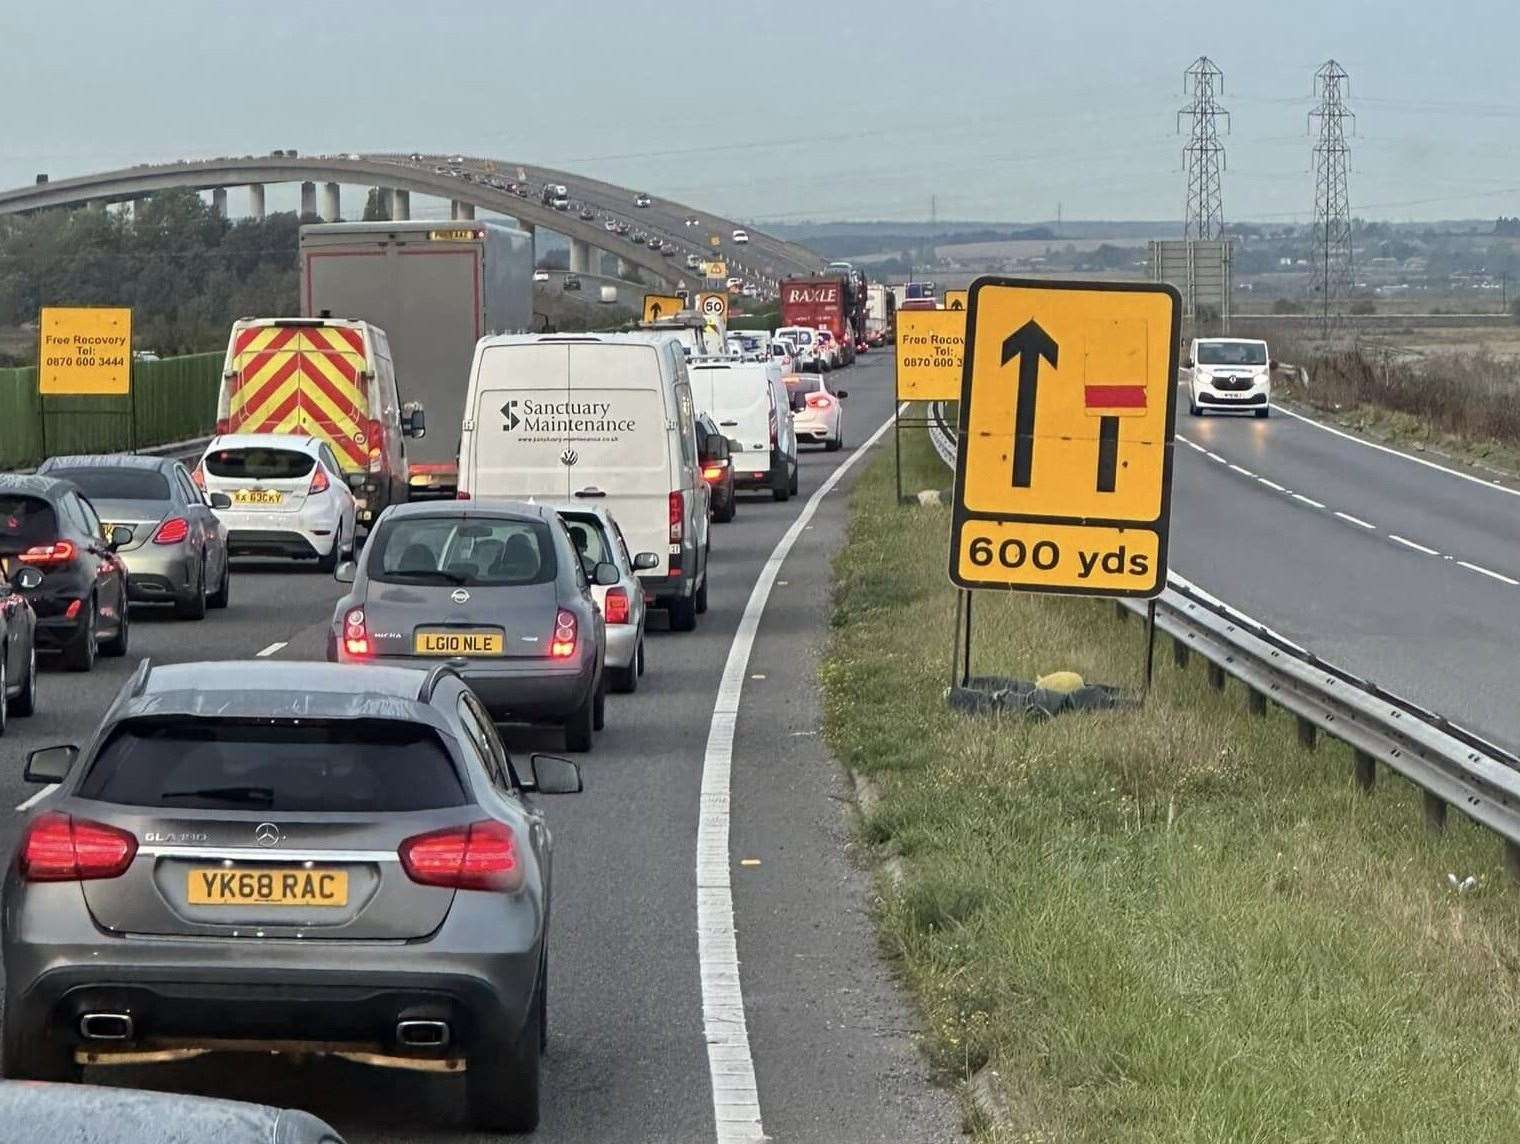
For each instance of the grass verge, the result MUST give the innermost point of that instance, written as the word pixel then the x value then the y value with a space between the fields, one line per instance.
pixel 1173 924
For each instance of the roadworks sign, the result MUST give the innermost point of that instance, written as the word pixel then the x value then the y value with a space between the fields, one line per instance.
pixel 955 299
pixel 657 306
pixel 1068 405
pixel 84 350
pixel 931 346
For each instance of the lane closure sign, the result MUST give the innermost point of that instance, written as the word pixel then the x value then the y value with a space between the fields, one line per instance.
pixel 1068 406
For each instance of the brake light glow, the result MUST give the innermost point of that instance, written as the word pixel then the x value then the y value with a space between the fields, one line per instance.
pixel 819 401
pixel 480 856
pixel 50 555
pixel 319 481
pixel 60 848
pixel 677 516
pixel 615 607
pixel 172 531
pixel 563 644
pixel 713 470
pixel 355 637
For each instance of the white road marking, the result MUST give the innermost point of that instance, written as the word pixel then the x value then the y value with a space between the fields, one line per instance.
pixel 1482 571
pixel 1412 544
pixel 1242 472
pixel 272 648
pixel 1196 448
pixel 1217 457
pixel 1487 484
pixel 1272 485
pixel 731 1068
pixel 38 797
pixel 1355 520
pixel 1306 500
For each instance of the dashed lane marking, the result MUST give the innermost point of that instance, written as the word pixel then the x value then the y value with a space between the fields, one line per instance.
pixel 1306 500
pixel 272 648
pixel 1356 520
pixel 1273 485
pixel 1411 544
pixel 1489 572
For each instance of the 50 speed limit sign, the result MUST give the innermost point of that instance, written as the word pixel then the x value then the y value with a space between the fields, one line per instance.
pixel 712 305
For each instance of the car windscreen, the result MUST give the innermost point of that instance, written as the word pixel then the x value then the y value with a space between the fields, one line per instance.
pixel 467 552
pixel 274 765
pixel 116 484
pixel 1232 353
pixel 259 463
pixel 24 522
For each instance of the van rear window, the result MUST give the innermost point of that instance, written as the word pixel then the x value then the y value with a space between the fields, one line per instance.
pixel 274 766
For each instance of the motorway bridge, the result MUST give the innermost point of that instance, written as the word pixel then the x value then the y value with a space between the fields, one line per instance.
pixel 764 259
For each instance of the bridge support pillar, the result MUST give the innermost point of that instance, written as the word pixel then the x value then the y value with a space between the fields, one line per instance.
pixel 256 200
pixel 580 256
pixel 332 202
pixel 387 201
pixel 626 271
pixel 401 205
pixel 219 201
pixel 458 210
pixel 308 200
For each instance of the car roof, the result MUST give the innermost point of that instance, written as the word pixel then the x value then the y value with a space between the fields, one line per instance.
pixel 49 488
pixel 107 461
pixel 1244 341
pixel 295 441
pixel 493 507
pixel 276 689
pixel 562 339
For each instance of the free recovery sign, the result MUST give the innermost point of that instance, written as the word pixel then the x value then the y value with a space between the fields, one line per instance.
pixel 930 347
pixel 84 350
pixel 1067 409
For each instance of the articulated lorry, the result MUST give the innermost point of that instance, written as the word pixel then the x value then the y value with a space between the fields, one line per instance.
pixel 435 288
pixel 827 302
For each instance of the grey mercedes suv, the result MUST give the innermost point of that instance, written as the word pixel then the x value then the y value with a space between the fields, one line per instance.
pixel 289 857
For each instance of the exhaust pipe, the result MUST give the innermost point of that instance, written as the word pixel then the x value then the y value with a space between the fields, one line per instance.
pixel 106 1027
pixel 422 1034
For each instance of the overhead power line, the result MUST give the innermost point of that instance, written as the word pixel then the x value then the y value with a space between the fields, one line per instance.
pixel 1203 216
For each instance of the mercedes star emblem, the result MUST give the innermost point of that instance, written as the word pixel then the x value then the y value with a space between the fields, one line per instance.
pixel 460 596
pixel 267 834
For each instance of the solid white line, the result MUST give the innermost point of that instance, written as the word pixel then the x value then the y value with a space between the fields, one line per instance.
pixel 1306 500
pixel 38 797
pixel 1242 472
pixel 1217 457
pixel 1355 520
pixel 1272 484
pixel 736 1101
pixel 272 648
pixel 1482 571
pixel 1190 444
pixel 1487 484
pixel 1412 544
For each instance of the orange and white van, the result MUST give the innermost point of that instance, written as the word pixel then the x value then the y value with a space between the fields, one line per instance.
pixel 329 378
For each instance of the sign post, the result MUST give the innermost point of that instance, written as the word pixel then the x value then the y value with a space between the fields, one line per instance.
pixel 1068 406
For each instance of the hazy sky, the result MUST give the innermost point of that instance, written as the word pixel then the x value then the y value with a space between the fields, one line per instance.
pixel 791 111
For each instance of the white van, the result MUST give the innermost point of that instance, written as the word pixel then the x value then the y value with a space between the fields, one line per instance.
pixel 749 402
pixel 604 419
pixel 804 339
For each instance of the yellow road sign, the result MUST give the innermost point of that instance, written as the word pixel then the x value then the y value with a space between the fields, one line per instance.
pixel 930 348
pixel 84 350
pixel 714 240
pixel 955 299
pixel 1067 407
pixel 713 306
pixel 715 269
pixel 657 306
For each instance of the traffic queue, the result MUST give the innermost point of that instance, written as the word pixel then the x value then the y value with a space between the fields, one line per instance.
pixel 354 836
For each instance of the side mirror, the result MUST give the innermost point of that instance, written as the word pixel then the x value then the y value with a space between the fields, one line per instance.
pixel 606 575
pixel 345 572
pixel 644 561
pixel 554 775
pixel 50 764
pixel 26 578
pixel 220 500
pixel 120 537
pixel 841 393
pixel 717 448
pixel 414 423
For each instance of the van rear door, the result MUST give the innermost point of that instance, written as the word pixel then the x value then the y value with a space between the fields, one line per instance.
pixel 742 407
pixel 518 446
pixel 304 379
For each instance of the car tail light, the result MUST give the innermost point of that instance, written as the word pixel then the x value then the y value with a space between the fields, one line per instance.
pixel 480 856
pixel 713 470
pixel 172 531
pixel 615 607
pixel 819 401
pixel 60 848
pixel 563 644
pixel 198 475
pixel 50 555
pixel 319 481
pixel 355 635
pixel 375 441
pixel 677 516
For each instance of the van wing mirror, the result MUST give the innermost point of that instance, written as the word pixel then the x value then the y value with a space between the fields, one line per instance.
pixel 414 422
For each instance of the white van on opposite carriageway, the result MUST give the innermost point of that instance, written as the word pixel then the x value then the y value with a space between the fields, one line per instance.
pixel 606 419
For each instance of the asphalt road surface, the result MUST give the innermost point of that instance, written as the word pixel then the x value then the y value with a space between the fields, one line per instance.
pixel 1387 565
pixel 832 1040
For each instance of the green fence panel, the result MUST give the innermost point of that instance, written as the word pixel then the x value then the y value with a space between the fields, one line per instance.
pixel 20 418
pixel 176 398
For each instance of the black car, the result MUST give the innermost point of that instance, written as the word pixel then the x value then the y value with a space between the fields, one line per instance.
pixel 81 601
pixel 18 646
pixel 713 454
pixel 587 214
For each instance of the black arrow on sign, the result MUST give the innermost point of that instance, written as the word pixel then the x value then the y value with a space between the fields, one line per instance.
pixel 654 310
pixel 956 305
pixel 1029 343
